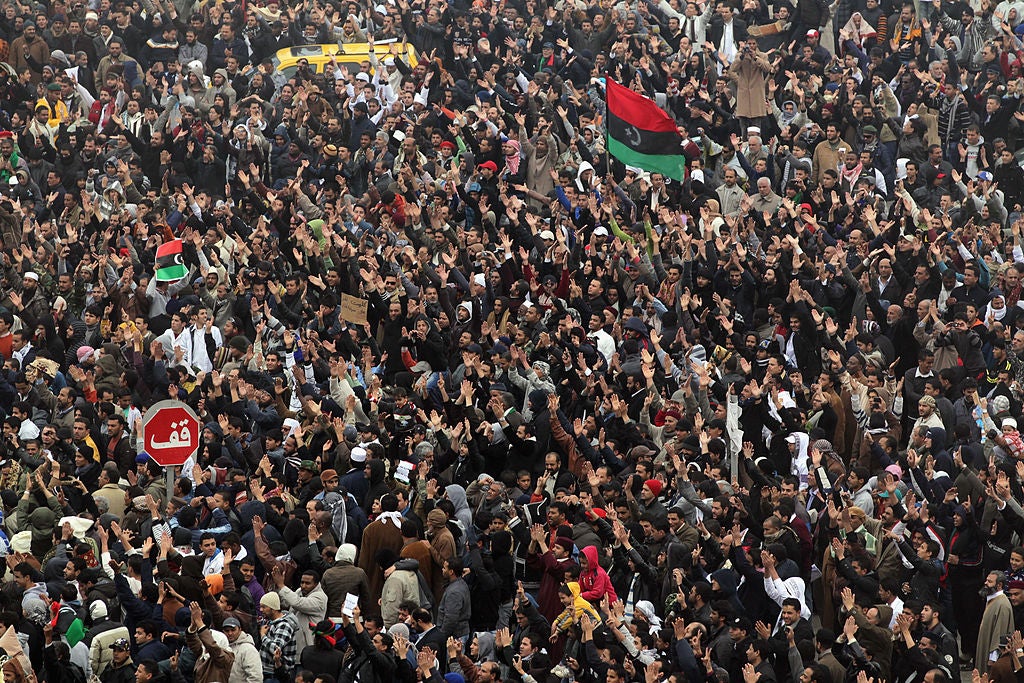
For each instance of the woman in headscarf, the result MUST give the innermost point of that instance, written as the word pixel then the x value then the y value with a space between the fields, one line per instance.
pixel 499 316
pixel 428 344
pixel 74 339
pixel 711 216
pixel 244 147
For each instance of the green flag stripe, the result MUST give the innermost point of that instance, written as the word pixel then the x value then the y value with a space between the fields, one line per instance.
pixel 172 272
pixel 672 166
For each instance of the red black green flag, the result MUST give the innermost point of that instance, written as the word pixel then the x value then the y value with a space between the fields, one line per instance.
pixel 641 134
pixel 170 265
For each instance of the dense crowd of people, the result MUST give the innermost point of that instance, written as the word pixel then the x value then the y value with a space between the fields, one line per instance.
pixel 479 401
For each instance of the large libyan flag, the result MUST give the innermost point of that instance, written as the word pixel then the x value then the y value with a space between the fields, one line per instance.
pixel 170 265
pixel 641 134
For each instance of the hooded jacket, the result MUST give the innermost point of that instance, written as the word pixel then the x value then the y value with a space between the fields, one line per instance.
pixel 573 613
pixel 247 666
pixel 938 450
pixel 457 495
pixel 206 100
pixel 378 487
pixel 76 342
pixel 41 522
pixel 594 582
pixel 727 586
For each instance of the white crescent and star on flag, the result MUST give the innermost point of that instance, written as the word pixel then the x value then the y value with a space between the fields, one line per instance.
pixel 632 135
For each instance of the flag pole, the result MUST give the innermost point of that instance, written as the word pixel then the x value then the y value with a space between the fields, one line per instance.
pixel 604 124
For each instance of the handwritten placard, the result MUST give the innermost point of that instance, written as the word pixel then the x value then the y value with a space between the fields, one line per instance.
pixel 353 309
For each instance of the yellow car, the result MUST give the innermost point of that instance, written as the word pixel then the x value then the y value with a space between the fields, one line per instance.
pixel 352 55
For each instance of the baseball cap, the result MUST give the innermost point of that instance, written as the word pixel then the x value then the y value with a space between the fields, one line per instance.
pixel 232 622
pixel 309 465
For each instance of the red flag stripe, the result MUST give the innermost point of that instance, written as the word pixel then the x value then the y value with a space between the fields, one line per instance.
pixel 169 248
pixel 637 110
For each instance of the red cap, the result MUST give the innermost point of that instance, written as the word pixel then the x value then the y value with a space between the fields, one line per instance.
pixel 489 164
pixel 448 144
pixel 807 208
pixel 599 512
pixel 654 485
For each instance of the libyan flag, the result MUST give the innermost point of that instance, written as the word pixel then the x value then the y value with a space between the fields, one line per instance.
pixel 170 265
pixel 641 134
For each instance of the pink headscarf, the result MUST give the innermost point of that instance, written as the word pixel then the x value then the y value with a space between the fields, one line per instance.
pixel 512 160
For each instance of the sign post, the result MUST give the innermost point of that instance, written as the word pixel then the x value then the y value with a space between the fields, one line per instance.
pixel 170 434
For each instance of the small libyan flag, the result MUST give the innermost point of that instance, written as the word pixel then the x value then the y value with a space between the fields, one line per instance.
pixel 641 134
pixel 170 265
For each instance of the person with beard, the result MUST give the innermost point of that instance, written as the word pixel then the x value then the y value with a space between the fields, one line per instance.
pixel 1015 593
pixel 996 621
pixel 32 305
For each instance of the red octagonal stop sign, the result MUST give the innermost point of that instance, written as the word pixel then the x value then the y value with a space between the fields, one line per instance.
pixel 170 432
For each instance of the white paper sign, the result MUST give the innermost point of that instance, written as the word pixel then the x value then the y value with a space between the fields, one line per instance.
pixel 351 601
pixel 403 470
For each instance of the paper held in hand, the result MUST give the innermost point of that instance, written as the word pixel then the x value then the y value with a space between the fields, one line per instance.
pixel 350 604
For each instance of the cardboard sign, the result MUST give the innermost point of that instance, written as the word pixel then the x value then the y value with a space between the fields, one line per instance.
pixel 353 309
pixel 45 366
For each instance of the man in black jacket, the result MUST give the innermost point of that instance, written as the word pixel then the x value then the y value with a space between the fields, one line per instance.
pixel 373 661
pixel 789 622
